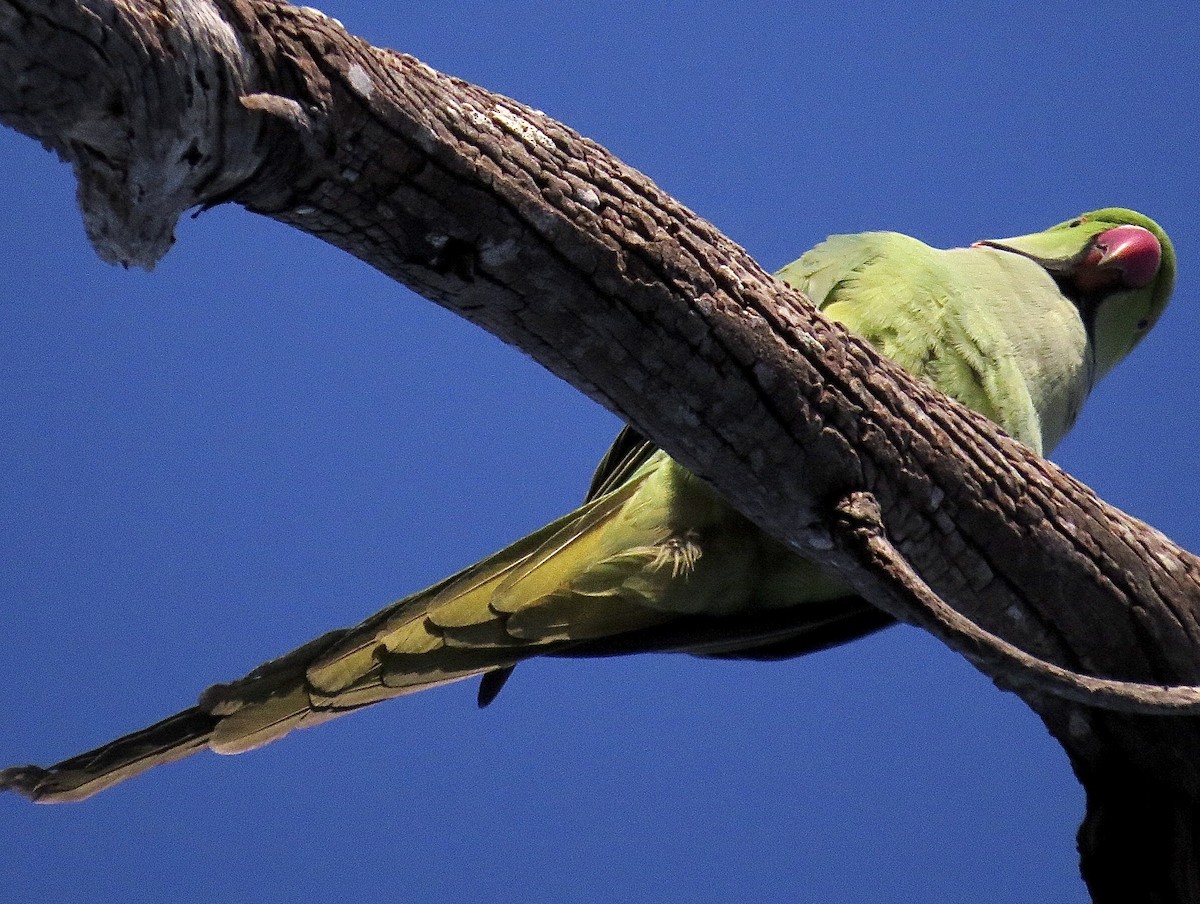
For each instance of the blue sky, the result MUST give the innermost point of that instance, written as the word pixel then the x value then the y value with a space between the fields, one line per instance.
pixel 263 439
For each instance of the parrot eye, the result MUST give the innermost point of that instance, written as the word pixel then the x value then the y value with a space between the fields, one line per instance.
pixel 1078 221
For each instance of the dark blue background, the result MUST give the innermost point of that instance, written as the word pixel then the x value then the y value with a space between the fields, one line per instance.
pixel 207 465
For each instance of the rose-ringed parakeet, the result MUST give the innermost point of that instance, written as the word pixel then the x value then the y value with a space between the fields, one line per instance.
pixel 1019 329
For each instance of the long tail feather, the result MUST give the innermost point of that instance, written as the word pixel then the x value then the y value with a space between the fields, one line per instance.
pixel 648 565
pixel 268 703
pixel 84 775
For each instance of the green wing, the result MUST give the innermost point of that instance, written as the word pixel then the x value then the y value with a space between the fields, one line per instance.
pixel 629 451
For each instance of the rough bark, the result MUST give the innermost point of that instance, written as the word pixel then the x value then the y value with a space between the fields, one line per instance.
pixel 517 223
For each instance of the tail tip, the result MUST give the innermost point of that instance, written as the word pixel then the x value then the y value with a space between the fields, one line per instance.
pixel 28 781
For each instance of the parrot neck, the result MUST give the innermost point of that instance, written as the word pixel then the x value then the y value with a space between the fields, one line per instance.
pixel 1046 340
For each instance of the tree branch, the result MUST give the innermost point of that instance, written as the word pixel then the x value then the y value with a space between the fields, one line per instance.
pixel 517 223
pixel 903 595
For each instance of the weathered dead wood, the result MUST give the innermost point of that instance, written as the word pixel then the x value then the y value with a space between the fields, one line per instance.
pixel 519 224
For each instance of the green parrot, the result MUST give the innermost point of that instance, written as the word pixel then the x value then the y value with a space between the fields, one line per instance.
pixel 1019 329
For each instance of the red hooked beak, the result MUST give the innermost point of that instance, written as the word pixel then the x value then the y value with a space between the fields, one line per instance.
pixel 1132 251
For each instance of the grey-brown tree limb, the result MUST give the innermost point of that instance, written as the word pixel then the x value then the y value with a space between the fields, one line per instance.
pixel 517 223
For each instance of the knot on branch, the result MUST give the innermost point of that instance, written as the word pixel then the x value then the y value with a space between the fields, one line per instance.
pixel 291 113
pixel 858 519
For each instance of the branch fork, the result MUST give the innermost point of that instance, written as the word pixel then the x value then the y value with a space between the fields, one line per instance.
pixel 857 527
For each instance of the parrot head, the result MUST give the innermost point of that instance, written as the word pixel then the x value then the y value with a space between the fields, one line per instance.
pixel 1115 265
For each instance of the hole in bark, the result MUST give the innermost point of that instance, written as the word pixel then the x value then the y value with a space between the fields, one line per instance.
pixel 454 256
pixel 192 155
